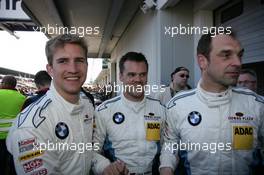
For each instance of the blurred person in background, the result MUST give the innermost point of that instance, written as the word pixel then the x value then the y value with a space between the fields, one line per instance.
pixel 11 102
pixel 248 79
pixel 179 82
pixel 42 80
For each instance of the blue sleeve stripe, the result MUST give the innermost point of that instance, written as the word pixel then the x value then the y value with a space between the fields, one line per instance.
pixel 104 105
pixel 177 97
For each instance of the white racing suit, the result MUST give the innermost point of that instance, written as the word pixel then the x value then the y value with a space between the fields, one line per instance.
pixel 214 133
pixel 53 136
pixel 128 131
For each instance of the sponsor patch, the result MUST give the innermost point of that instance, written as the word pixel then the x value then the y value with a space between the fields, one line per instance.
pixel 153 131
pixel 240 117
pixel 194 118
pixel 26 148
pixel 61 130
pixel 118 118
pixel 26 142
pixel 87 119
pixel 243 137
pixel 43 171
pixel 30 155
pixel 152 116
pixel 26 145
pixel 32 165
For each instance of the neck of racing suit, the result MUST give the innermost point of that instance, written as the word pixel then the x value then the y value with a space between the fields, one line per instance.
pixel 214 99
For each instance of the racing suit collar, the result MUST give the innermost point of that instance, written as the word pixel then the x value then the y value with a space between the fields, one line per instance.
pixel 73 109
pixel 135 106
pixel 214 99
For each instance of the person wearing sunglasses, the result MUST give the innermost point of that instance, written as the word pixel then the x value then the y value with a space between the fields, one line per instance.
pixel 179 82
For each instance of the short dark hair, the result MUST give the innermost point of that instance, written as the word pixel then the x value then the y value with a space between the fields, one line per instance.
pixel 249 71
pixel 204 46
pixel 9 82
pixel 60 41
pixel 132 56
pixel 178 69
pixel 42 78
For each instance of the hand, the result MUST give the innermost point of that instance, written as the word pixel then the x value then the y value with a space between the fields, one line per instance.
pixel 166 171
pixel 116 168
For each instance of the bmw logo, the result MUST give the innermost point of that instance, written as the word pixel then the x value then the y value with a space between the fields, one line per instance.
pixel 61 130
pixel 194 118
pixel 118 118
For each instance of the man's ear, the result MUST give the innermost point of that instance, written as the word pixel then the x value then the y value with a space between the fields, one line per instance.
pixel 49 69
pixel 202 61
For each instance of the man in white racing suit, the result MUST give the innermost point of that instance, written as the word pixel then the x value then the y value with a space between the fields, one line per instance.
pixel 129 125
pixel 215 128
pixel 54 134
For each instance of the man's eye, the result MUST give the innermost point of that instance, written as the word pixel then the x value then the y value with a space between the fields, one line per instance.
pixel 80 60
pixel 240 55
pixel 142 74
pixel 131 75
pixel 226 54
pixel 61 61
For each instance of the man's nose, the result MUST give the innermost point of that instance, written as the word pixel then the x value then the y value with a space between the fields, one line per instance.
pixel 73 67
pixel 137 78
pixel 237 61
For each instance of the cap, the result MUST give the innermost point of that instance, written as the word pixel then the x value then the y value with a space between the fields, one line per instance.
pixel 178 69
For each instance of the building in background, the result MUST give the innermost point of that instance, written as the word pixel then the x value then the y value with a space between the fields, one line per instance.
pixel 159 29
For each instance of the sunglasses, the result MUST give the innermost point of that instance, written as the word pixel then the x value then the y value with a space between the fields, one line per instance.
pixel 183 75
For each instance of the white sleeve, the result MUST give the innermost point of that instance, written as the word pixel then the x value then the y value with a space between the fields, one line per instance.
pixel 23 144
pixel 169 153
pixel 261 133
pixel 99 162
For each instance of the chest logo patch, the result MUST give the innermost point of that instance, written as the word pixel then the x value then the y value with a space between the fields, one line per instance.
pixel 240 117
pixel 243 137
pixel 61 130
pixel 194 118
pixel 153 131
pixel 118 118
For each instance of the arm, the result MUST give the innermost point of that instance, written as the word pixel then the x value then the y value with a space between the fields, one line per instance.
pixel 23 145
pixel 169 154
pixel 99 162
pixel 261 133
pixel 102 165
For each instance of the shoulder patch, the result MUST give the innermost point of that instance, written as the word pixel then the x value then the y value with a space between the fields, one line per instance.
pixel 178 96
pixel 35 109
pixel 104 104
pixel 258 98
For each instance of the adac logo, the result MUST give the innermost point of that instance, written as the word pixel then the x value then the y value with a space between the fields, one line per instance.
pixel 240 117
pixel 243 130
pixel 153 125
